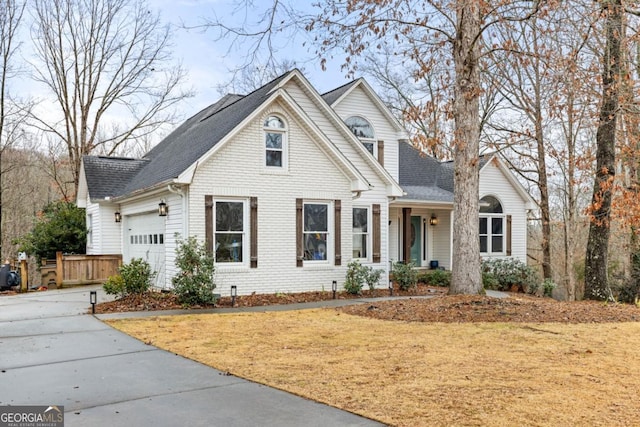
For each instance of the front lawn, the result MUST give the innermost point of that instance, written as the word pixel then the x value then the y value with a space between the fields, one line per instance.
pixel 422 373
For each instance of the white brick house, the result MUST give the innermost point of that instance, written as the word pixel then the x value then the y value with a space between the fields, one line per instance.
pixel 283 192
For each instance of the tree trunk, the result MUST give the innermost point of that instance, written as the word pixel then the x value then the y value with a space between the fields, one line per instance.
pixel 596 262
pixel 466 277
pixel 543 186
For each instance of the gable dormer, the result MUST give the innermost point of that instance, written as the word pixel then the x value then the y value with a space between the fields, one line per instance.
pixel 370 120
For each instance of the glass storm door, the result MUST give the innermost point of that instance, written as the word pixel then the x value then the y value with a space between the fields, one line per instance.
pixel 416 240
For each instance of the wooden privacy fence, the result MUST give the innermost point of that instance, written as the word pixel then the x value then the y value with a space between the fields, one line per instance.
pixel 73 270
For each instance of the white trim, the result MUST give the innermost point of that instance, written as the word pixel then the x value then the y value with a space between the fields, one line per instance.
pixel 245 232
pixel 284 149
pixel 402 132
pixel 330 245
pixel 522 192
pixel 368 234
pixel 393 189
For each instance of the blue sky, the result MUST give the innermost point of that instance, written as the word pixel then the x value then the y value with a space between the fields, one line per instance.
pixel 208 60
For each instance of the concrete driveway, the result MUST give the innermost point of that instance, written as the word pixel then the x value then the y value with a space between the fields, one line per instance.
pixel 53 353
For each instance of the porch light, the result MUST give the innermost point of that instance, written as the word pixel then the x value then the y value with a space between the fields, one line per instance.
pixel 118 216
pixel 334 288
pixel 163 209
pixel 93 298
pixel 234 294
pixel 433 220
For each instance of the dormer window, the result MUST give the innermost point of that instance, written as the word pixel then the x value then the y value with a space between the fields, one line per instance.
pixel 364 131
pixel 275 142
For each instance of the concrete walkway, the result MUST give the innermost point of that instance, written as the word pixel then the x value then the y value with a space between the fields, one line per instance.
pixel 53 353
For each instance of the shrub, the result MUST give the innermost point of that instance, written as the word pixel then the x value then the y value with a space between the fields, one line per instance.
pixel 548 286
pixel 356 277
pixel 435 278
pixel 137 276
pixel 405 275
pixel 133 278
pixel 114 285
pixel 194 284
pixel 509 272
pixel 489 281
pixel 61 227
pixel 373 277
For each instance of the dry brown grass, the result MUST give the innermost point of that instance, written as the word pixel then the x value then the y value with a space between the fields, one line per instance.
pixel 413 374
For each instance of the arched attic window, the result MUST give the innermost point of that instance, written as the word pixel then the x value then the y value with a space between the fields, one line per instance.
pixel 364 131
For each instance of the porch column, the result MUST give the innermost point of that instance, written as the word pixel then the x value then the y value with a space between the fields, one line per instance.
pixel 406 235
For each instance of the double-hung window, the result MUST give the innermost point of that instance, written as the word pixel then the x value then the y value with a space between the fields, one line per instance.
pixel 360 233
pixel 275 142
pixel 492 226
pixel 230 231
pixel 316 232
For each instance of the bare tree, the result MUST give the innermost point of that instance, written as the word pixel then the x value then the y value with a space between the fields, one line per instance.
pixel 253 76
pixel 12 110
pixel 108 67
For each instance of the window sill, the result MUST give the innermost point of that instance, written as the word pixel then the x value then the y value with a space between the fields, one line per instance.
pixel 309 265
pixel 242 268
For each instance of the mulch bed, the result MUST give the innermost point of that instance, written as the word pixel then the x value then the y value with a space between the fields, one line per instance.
pixel 517 307
pixel 166 301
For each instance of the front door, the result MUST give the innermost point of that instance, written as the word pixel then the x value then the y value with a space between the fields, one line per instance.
pixel 416 240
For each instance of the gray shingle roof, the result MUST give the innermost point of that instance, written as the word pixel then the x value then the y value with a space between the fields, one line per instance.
pixel 106 176
pixel 333 95
pixel 424 178
pixel 181 148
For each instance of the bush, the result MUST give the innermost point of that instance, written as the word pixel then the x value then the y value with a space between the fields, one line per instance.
pixel 373 277
pixel 548 286
pixel 137 276
pixel 435 278
pixel 356 277
pixel 194 283
pixel 509 272
pixel 133 278
pixel 489 281
pixel 61 227
pixel 405 275
pixel 114 285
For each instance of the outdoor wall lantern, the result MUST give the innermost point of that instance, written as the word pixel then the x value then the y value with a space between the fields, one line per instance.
pixel 118 216
pixel 390 287
pixel 93 298
pixel 234 294
pixel 163 209
pixel 334 288
pixel 433 220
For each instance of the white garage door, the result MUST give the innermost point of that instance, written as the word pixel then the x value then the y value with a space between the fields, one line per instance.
pixel 145 240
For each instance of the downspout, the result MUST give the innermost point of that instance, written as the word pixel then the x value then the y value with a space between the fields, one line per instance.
pixel 451 219
pixel 177 189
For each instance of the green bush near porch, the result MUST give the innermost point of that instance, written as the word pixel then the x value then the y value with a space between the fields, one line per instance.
pixel 435 278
